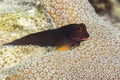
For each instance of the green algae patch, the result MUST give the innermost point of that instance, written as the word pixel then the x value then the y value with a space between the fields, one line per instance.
pixel 17 25
pixel 117 10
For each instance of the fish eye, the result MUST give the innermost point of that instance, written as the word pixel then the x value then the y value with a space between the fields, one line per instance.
pixel 78 28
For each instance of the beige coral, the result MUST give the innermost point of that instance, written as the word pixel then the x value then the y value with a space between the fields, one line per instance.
pixel 97 58
pixel 15 23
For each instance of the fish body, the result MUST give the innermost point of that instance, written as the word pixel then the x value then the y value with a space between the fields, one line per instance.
pixel 68 36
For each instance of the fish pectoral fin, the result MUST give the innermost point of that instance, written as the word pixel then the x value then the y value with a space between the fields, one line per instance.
pixel 63 47
pixel 75 45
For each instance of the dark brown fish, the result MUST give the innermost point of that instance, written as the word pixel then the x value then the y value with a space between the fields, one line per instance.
pixel 63 37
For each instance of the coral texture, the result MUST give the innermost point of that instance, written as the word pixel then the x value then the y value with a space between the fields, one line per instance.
pixel 95 59
pixel 17 20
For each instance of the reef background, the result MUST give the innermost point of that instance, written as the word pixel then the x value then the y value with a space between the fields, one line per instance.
pixel 95 59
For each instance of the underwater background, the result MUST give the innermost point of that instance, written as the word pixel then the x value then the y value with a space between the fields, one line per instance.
pixel 98 58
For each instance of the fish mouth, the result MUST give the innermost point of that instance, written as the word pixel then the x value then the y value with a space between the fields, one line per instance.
pixel 83 39
pixel 79 39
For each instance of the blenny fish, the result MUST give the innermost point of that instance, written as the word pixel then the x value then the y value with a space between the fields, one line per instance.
pixel 63 38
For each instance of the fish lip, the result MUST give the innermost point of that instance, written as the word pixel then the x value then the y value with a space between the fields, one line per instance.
pixel 83 39
pixel 80 39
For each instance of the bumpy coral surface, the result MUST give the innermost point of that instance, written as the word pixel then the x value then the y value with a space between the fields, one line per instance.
pixel 17 20
pixel 97 58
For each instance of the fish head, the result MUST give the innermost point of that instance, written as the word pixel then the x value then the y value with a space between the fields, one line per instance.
pixel 78 32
